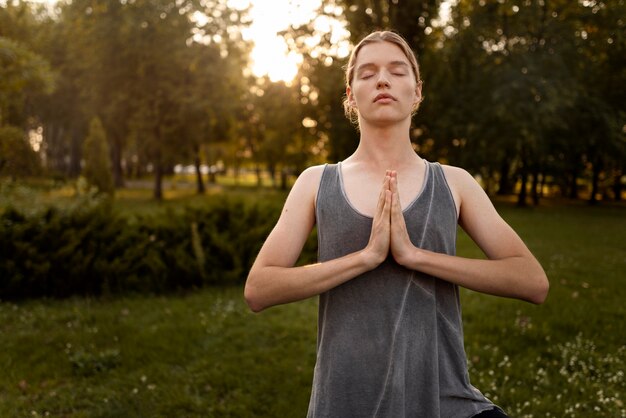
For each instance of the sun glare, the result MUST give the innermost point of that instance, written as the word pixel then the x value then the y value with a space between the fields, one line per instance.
pixel 270 55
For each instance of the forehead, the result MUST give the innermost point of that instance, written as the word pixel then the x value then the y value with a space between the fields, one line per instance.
pixel 380 53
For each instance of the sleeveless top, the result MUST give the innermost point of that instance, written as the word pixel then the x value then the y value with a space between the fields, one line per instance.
pixel 390 341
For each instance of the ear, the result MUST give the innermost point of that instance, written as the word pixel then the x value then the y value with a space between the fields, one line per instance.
pixel 418 94
pixel 350 97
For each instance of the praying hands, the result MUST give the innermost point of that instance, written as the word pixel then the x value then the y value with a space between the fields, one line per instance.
pixel 389 231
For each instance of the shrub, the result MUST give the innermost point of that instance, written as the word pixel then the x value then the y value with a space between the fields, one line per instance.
pixel 88 249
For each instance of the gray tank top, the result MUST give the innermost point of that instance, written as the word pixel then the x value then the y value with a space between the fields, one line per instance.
pixel 390 341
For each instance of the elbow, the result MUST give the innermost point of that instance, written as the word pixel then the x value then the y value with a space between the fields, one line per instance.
pixel 540 290
pixel 252 299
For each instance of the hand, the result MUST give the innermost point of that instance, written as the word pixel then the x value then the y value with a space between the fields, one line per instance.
pixel 401 246
pixel 378 246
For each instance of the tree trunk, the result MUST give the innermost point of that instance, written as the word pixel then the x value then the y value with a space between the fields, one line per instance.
pixel 617 186
pixel 535 188
pixel 158 178
pixel 283 179
pixel 521 197
pixel 116 162
pixel 259 177
pixel 595 179
pixel 504 185
pixel 271 168
pixel 199 182
pixel 573 190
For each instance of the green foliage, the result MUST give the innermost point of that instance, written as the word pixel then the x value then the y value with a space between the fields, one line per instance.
pixel 17 158
pixel 23 75
pixel 88 249
pixel 97 169
pixel 507 82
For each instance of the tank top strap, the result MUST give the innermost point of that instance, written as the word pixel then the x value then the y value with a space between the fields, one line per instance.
pixel 329 183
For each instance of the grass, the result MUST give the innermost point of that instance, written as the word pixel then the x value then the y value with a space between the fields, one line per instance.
pixel 566 357
pixel 197 355
pixel 204 354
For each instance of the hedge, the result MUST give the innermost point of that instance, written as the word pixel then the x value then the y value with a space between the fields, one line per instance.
pixel 90 250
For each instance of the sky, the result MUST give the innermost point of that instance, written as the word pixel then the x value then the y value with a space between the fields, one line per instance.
pixel 270 54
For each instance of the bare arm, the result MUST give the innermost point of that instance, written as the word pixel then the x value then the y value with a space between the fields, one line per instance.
pixel 274 280
pixel 510 270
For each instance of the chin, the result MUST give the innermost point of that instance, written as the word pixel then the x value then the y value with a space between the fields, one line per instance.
pixel 383 120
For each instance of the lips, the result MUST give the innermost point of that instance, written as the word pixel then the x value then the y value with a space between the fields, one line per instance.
pixel 385 97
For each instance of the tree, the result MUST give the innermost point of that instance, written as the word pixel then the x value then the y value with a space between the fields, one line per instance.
pixel 275 123
pixel 213 96
pixel 97 161
pixel 17 157
pixel 601 72
pixel 23 75
pixel 509 95
pixel 141 66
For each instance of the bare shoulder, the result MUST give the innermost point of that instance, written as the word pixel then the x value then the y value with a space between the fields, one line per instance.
pixel 312 175
pixel 308 181
pixel 304 190
pixel 472 201
pixel 461 183
pixel 456 176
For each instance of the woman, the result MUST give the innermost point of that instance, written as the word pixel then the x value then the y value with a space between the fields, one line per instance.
pixel 390 338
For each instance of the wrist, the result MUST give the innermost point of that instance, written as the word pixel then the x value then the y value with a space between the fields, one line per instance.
pixel 409 258
pixel 371 259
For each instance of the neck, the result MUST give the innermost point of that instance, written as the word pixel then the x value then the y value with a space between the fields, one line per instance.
pixel 386 146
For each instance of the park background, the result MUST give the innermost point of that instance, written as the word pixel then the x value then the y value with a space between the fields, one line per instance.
pixel 145 154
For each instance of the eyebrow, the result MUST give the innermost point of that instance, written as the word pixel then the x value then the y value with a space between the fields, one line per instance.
pixel 391 64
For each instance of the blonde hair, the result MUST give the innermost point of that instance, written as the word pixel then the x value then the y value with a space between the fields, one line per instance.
pixel 350 111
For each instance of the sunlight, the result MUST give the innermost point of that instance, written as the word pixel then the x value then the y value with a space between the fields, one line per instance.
pixel 270 55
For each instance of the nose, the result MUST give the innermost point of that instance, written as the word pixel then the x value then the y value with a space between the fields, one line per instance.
pixel 383 81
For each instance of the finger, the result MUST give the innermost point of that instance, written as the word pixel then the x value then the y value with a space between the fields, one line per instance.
pixel 396 207
pixel 398 225
pixel 388 203
pixel 381 198
pixel 393 186
pixel 384 219
pixel 390 174
pixel 383 187
pixel 393 182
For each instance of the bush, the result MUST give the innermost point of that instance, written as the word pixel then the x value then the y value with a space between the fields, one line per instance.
pixel 90 250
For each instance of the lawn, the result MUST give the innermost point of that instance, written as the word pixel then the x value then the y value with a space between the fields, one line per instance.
pixel 203 354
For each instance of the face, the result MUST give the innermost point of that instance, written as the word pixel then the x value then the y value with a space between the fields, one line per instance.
pixel 383 87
